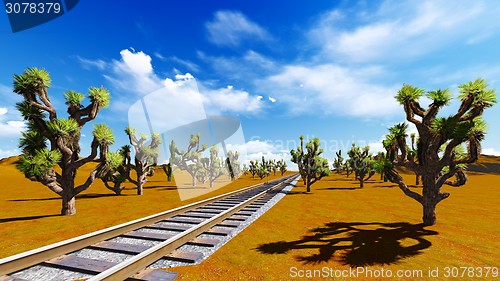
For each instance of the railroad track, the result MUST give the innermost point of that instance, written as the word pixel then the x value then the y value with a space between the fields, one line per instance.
pixel 135 245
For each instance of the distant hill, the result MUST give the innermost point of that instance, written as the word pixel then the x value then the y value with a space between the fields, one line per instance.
pixel 9 160
pixel 486 164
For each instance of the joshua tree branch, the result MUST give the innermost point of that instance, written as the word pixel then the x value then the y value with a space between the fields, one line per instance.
pixel 394 177
pixel 92 156
pixel 87 183
pixel 464 107
pixel 461 179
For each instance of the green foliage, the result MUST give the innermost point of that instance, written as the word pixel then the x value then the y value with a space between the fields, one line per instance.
pixel 74 98
pixel 409 93
pixel 103 134
pixel 28 111
pixel 477 90
pixel 39 164
pixel 440 97
pixel 114 160
pixel 31 141
pixel 130 131
pixel 31 81
pixel 399 130
pixel 63 127
pixel 99 96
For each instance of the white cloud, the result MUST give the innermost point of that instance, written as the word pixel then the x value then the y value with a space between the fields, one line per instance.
pixel 272 99
pixel 230 28
pixel 405 29
pixel 249 66
pixel 134 72
pixel 231 100
pixel 255 149
pixel 88 64
pixel 3 110
pixel 490 151
pixel 330 89
pixel 11 128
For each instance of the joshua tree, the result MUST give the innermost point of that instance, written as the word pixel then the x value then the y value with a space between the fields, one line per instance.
pixel 213 165
pixel 338 163
pixel 146 154
pixel 347 167
pixel 51 141
pixel 378 164
pixel 362 163
pixel 282 166
pixel 190 159
pixel 263 169
pixel 245 169
pixel 440 151
pixel 253 167
pixel 311 166
pixel 116 170
pixel 233 165
pixel 167 168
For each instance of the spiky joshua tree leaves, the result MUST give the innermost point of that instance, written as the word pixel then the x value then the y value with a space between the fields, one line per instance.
pixel 312 167
pixel 51 141
pixel 146 155
pixel 441 154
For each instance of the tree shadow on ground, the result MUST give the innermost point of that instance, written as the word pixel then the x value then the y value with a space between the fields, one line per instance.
pixel 357 243
pixel 27 218
pixel 80 196
pixel 298 192
pixel 338 188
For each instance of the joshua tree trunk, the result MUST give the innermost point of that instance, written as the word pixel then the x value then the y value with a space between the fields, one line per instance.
pixel 417 179
pixel 308 184
pixel 141 178
pixel 430 198
pixel 68 203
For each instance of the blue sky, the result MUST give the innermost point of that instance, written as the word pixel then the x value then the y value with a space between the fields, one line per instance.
pixel 326 69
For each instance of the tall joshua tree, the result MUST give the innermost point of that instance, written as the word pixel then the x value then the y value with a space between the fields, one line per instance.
pixel 233 164
pixel 145 156
pixel 213 165
pixel 338 163
pixel 440 147
pixel 51 141
pixel 362 163
pixel 190 159
pixel 312 167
